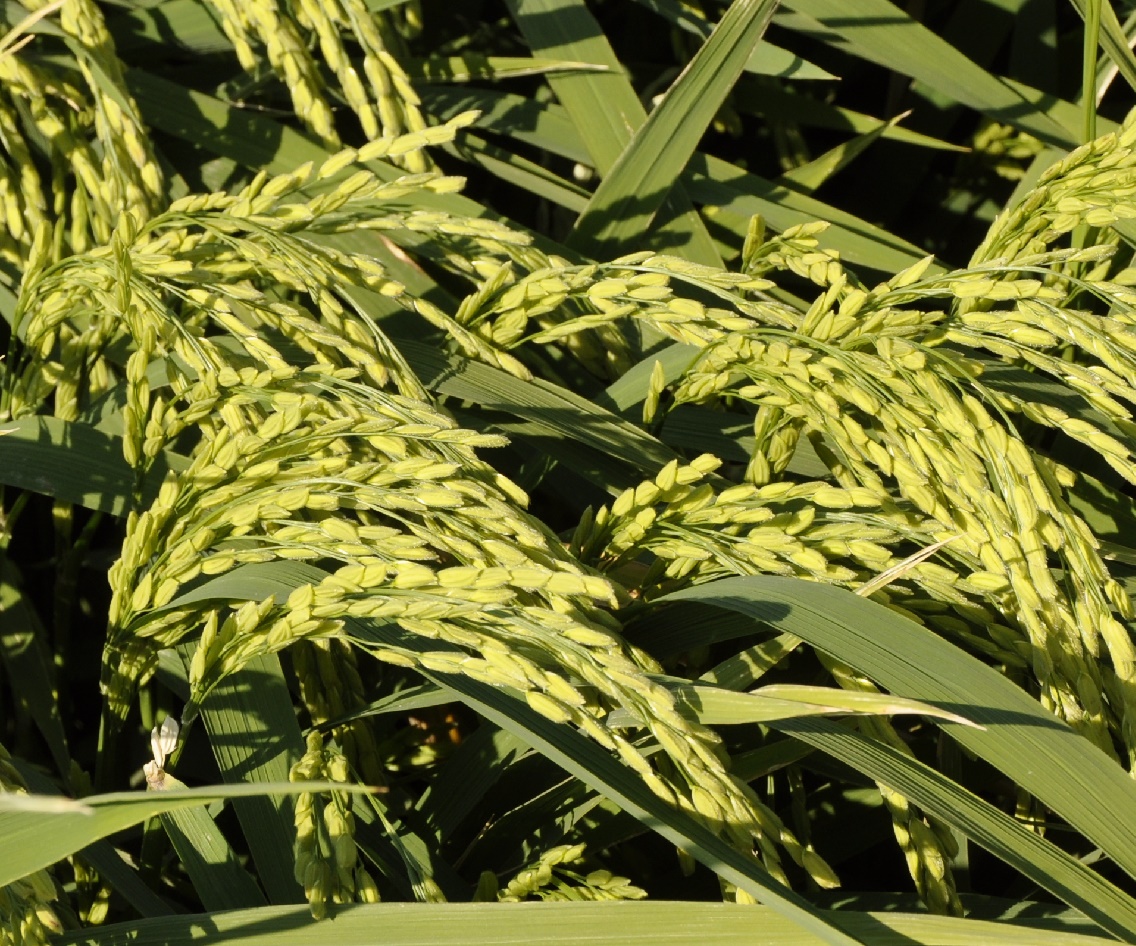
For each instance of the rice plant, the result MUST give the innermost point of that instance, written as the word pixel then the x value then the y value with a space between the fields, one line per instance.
pixel 455 457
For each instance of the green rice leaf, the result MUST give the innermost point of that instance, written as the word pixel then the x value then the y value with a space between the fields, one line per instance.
pixel 604 108
pixel 217 876
pixel 715 706
pixel 255 739
pixel 652 162
pixel 472 67
pixel 1040 860
pixel 575 924
pixel 1030 746
pixel 883 33
pixel 30 840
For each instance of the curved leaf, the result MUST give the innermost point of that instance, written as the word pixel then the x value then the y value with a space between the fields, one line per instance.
pixel 30 840
pixel 1032 747
pixel 715 706
pixel 651 163
pixel 575 924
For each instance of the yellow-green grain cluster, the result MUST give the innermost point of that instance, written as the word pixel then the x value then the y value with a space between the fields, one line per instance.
pixel 26 915
pixel 332 454
pixel 267 419
pixel 327 861
pixel 101 163
pixel 298 37
pixel 552 877
pixel 912 394
pixel 582 307
pixel 927 843
pixel 331 687
pixel 924 432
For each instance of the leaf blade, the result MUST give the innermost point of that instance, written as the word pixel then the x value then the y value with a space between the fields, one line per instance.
pixel 604 107
pixel 576 924
pixel 653 160
pixel 32 840
pixel 1032 747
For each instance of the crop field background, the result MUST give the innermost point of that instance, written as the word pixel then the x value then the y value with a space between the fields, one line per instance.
pixel 626 471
